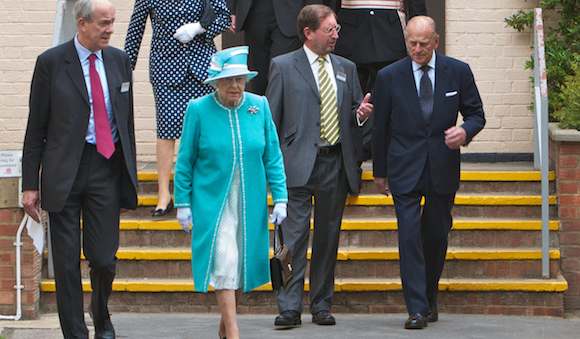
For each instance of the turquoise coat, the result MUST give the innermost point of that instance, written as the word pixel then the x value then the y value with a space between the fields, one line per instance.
pixel 215 139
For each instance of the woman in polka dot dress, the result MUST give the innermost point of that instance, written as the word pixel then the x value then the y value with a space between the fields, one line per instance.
pixel 181 47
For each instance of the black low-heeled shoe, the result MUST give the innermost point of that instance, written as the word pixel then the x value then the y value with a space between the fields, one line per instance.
pixel 160 212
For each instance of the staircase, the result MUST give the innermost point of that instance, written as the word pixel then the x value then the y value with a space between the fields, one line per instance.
pixel 493 263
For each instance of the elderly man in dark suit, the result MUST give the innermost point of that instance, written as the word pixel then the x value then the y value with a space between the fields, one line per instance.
pixel 269 29
pixel 80 135
pixel 315 99
pixel 416 145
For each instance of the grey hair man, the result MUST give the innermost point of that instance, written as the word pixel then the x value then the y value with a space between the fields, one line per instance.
pixel 81 133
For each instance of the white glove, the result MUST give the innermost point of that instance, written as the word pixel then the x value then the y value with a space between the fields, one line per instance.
pixel 184 218
pixel 187 32
pixel 278 213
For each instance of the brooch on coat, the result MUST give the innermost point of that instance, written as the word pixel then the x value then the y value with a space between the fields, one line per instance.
pixel 253 109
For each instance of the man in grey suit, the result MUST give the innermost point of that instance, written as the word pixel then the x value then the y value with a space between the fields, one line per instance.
pixel 315 99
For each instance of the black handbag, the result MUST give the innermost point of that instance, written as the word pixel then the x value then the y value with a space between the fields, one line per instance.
pixel 281 262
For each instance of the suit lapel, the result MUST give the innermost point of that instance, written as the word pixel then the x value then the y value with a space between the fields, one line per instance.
pixel 409 83
pixel 338 69
pixel 112 72
pixel 441 79
pixel 75 71
pixel 303 67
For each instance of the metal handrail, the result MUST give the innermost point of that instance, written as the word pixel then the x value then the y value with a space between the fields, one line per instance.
pixel 541 158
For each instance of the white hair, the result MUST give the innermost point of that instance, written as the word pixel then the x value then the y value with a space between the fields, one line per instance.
pixel 84 8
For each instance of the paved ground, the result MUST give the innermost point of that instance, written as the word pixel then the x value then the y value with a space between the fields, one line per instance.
pixel 178 326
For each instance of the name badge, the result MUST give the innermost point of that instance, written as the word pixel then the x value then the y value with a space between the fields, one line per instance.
pixel 125 87
pixel 341 76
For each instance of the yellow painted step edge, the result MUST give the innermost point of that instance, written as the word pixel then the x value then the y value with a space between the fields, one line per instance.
pixel 390 253
pixel 381 200
pixel 368 225
pixel 465 175
pixel 347 285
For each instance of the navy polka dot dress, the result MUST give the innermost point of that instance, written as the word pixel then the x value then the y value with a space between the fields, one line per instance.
pixel 176 70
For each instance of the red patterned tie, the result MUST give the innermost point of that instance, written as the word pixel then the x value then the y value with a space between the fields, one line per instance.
pixel 105 144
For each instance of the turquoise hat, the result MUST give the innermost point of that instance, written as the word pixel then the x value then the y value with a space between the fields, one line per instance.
pixel 230 62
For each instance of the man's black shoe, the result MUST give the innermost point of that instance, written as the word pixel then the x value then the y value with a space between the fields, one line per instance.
pixel 432 316
pixel 288 319
pixel 104 330
pixel 323 318
pixel 416 322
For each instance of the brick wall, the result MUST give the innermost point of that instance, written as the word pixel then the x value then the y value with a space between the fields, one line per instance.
pixel 475 33
pixel 31 266
pixel 565 158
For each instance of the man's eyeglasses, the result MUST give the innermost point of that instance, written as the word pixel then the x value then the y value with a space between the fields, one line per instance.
pixel 330 30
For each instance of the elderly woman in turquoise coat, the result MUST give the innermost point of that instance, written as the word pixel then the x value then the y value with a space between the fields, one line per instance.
pixel 228 156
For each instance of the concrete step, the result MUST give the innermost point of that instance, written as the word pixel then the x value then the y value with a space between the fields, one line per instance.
pixel 466 205
pixel 352 262
pixel 365 232
pixel 491 296
pixel 472 181
pixel 557 284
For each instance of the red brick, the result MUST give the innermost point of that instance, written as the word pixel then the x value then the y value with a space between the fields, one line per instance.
pixel 8 229
pixel 569 148
pixel 29 298
pixel 573 286
pixel 7 297
pixel 567 212
pixel 570 238
pixel 7 244
pixel 571 200
pixel 568 161
pixel 569 225
pixel 8 215
pixel 570 251
pixel 7 272
pixel 568 187
pixel 7 284
pixel 571 265
pixel 567 173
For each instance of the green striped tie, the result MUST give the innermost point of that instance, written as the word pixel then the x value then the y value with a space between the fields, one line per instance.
pixel 329 127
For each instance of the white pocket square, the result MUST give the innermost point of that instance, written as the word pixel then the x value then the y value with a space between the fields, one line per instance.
pixel 450 94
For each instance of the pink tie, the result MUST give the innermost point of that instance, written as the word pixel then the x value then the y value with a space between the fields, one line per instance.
pixel 105 144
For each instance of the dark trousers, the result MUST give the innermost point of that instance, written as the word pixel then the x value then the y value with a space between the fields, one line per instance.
pixel 266 41
pixel 422 242
pixel 329 187
pixel 367 75
pixel 95 197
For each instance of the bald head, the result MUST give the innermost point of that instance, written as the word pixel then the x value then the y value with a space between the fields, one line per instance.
pixel 421 39
pixel 422 23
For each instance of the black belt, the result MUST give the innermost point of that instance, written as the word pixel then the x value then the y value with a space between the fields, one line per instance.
pixel 325 150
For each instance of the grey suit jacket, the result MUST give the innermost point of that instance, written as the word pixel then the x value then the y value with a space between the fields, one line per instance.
pixel 295 104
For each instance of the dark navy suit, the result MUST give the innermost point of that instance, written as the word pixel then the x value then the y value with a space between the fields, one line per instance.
pixel 411 152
